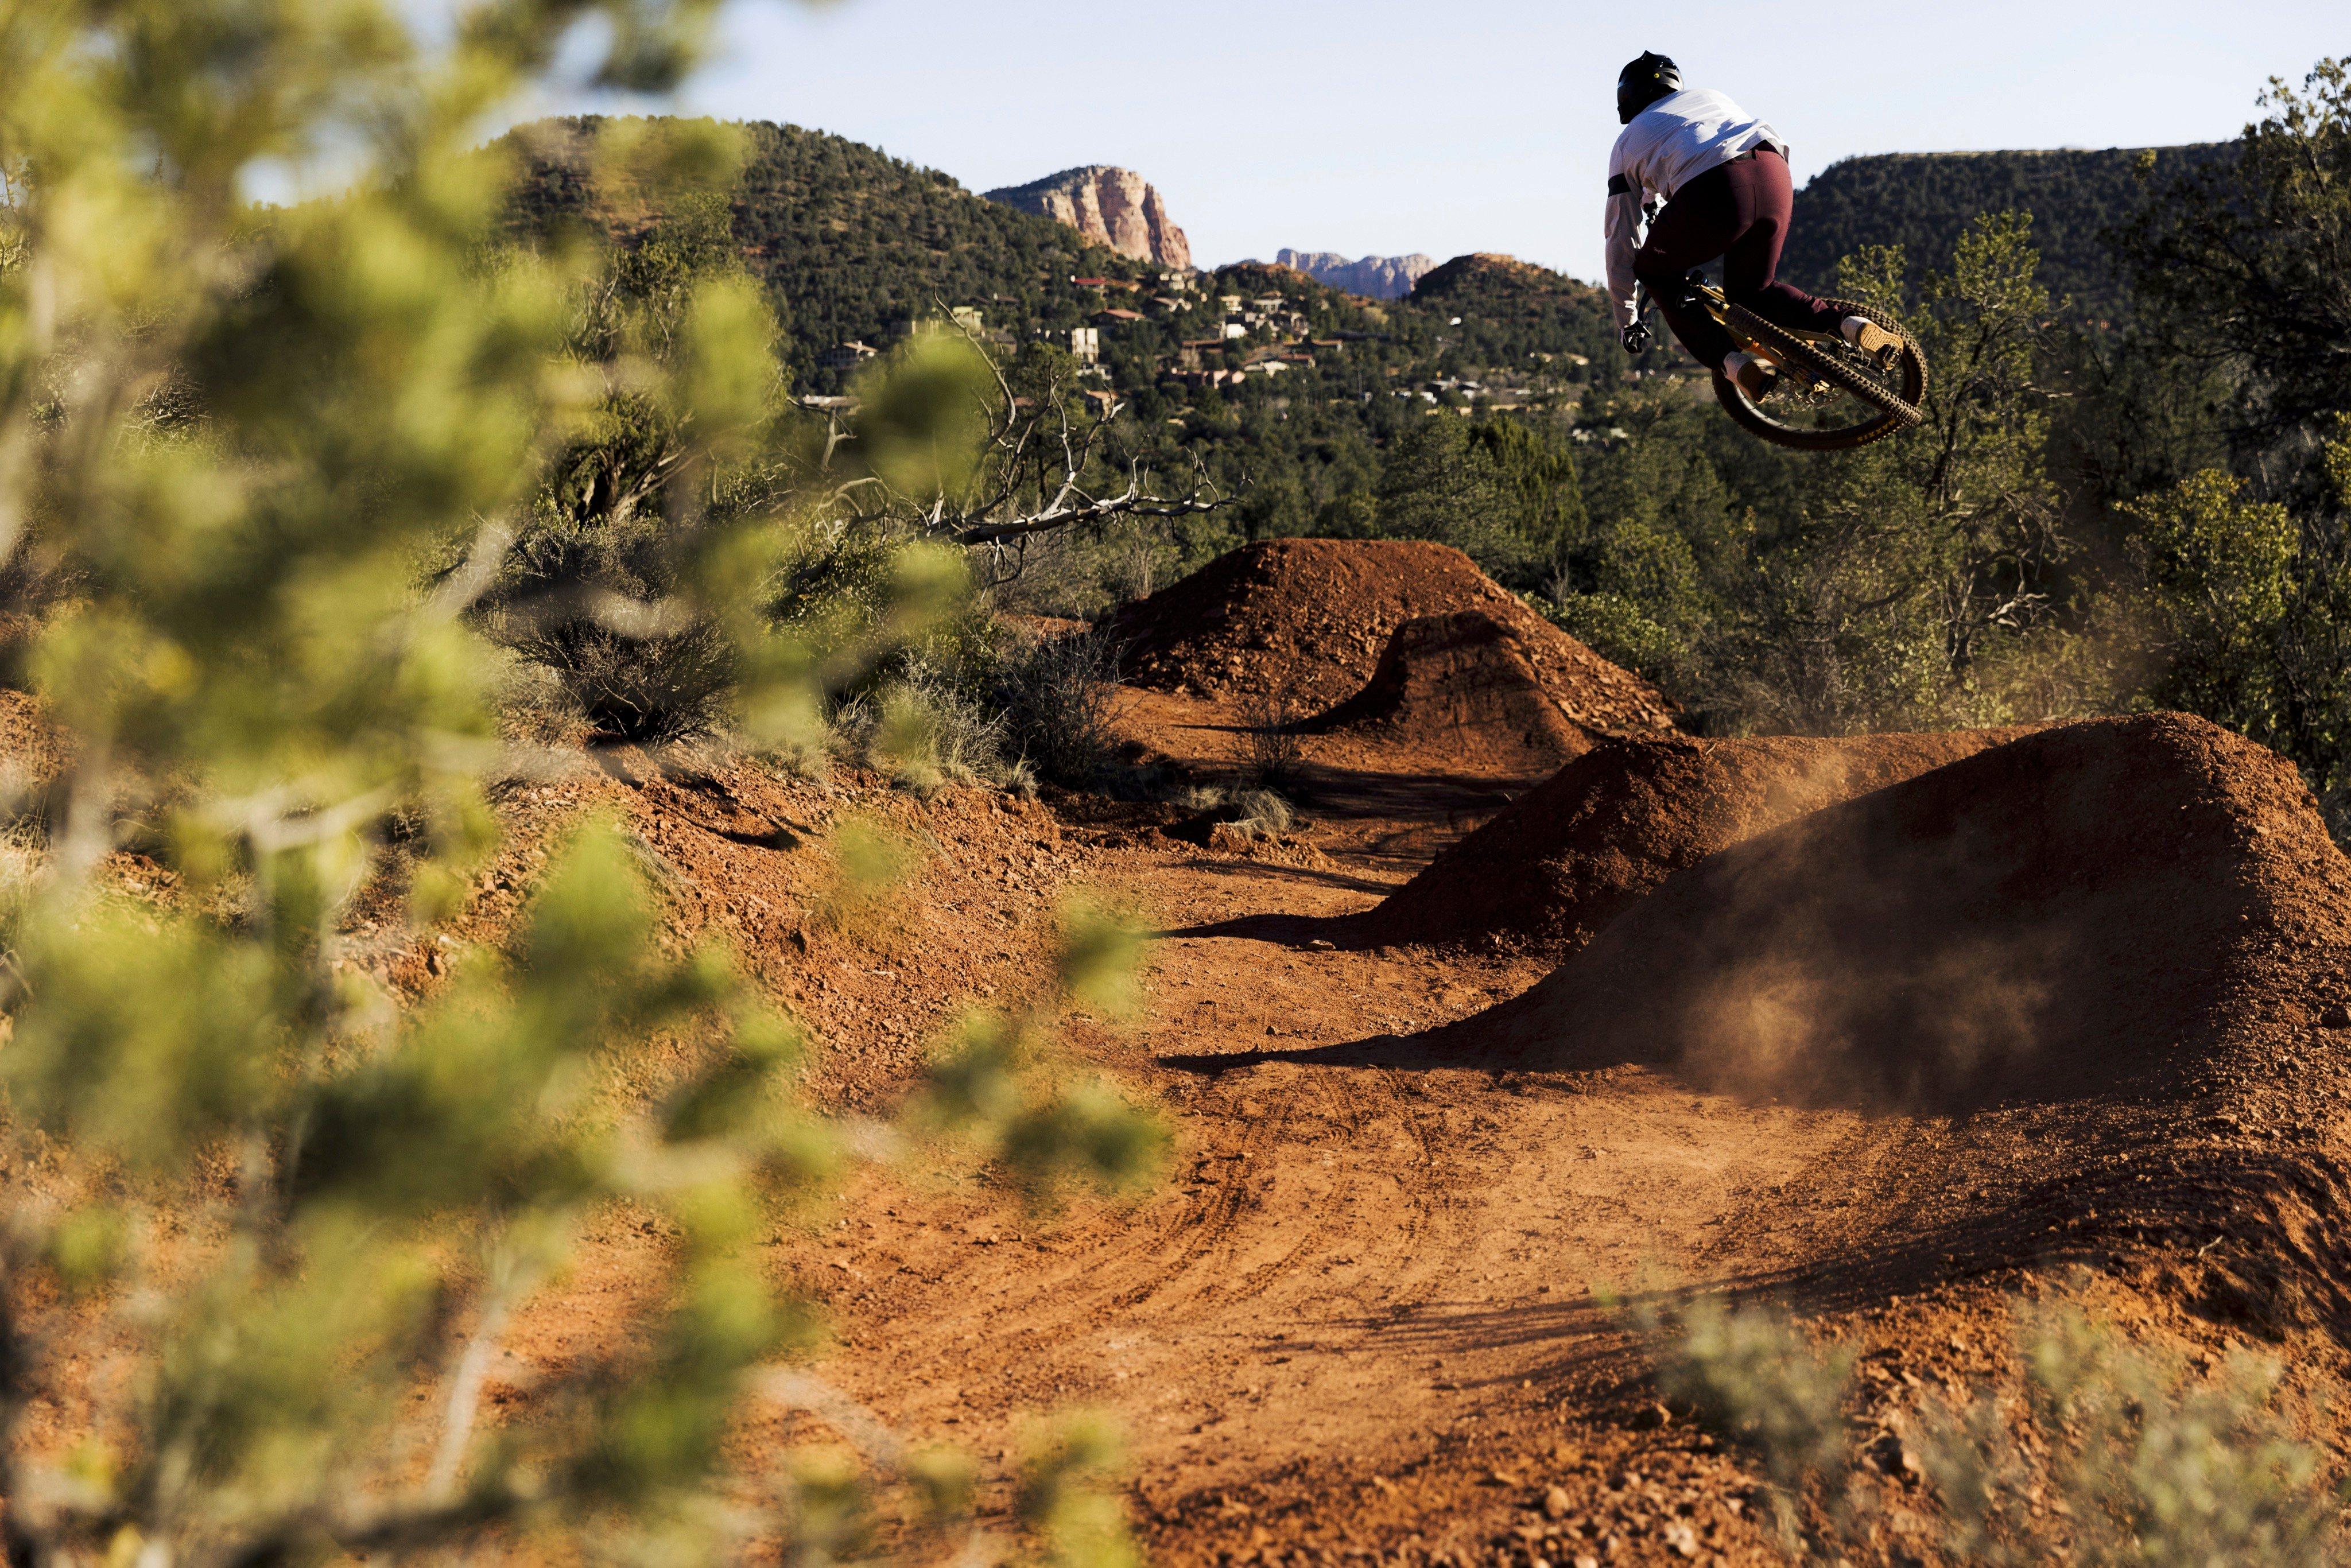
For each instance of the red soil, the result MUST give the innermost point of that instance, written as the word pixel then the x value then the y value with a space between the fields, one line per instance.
pixel 1352 1324
pixel 2103 907
pixel 1570 856
pixel 1466 687
pixel 1310 618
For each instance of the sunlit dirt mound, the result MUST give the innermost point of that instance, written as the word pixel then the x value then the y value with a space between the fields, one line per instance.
pixel 1571 855
pixel 1310 618
pixel 1466 688
pixel 2106 906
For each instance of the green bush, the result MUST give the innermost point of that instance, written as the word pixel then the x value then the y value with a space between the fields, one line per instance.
pixel 2103 1452
pixel 306 471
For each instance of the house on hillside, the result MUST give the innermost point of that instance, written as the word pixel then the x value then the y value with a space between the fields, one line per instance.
pixel 1116 317
pixel 1085 343
pixel 1100 402
pixel 968 317
pixel 1230 304
pixel 1188 352
pixel 1197 380
pixel 843 356
pixel 1168 303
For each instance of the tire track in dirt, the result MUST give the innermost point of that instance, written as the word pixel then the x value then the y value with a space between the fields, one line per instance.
pixel 1857 1188
pixel 1367 1256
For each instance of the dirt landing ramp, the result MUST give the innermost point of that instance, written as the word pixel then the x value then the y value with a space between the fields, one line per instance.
pixel 2109 906
pixel 1311 619
pixel 1463 688
pixel 1596 837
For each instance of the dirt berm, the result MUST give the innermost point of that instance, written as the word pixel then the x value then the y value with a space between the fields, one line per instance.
pixel 1464 690
pixel 1571 854
pixel 2098 908
pixel 1310 618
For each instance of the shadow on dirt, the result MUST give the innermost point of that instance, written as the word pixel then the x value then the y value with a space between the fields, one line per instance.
pixel 2241 1234
pixel 1272 874
pixel 1300 933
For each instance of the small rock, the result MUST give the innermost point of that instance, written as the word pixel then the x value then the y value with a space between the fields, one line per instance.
pixel 1500 1478
pixel 1652 1415
pixel 1230 838
pixel 1893 1457
pixel 1682 1539
pixel 1556 1503
pixel 2336 1017
pixel 1321 945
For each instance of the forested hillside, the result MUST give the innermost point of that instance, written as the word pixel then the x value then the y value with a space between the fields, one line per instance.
pixel 850 240
pixel 1924 201
pixel 1509 310
pixel 1285 391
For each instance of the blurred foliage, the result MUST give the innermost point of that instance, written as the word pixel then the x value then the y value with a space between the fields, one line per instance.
pixel 274 484
pixel 2099 1451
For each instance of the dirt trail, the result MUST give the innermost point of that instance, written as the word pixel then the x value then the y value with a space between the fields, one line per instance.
pixel 1369 1264
pixel 1367 1289
pixel 1361 1320
pixel 1358 1318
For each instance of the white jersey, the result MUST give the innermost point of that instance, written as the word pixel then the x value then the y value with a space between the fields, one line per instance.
pixel 1666 146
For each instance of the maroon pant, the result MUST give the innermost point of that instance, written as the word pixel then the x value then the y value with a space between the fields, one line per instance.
pixel 1739 212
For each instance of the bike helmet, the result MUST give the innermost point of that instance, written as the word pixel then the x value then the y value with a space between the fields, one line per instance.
pixel 1642 83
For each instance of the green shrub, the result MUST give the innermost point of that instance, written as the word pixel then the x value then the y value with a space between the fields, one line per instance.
pixel 1056 695
pixel 2103 1451
pixel 297 1208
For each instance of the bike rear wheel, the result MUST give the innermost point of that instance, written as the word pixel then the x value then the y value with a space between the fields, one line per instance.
pixel 1830 397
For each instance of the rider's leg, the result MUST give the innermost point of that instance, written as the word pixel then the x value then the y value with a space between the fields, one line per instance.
pixel 1692 230
pixel 1761 196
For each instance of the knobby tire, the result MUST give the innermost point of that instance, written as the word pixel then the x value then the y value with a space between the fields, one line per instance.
pixel 1901 411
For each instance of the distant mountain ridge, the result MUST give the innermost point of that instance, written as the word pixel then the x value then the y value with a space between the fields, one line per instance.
pixel 1374 276
pixel 1924 201
pixel 1113 206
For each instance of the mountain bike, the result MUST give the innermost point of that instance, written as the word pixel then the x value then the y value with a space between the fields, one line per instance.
pixel 1828 396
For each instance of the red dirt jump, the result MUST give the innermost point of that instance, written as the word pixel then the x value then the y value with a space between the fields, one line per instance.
pixel 1571 855
pixel 2088 910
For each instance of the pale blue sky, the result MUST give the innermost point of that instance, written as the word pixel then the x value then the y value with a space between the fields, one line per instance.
pixel 1390 125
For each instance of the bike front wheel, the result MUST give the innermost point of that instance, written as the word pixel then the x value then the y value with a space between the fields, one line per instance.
pixel 1830 396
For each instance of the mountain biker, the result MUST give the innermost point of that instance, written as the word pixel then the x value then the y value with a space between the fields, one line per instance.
pixel 1723 176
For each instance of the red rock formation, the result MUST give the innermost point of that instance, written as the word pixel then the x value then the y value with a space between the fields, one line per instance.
pixel 1117 207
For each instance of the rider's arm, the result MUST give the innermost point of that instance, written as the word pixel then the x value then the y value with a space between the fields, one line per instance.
pixel 1624 231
